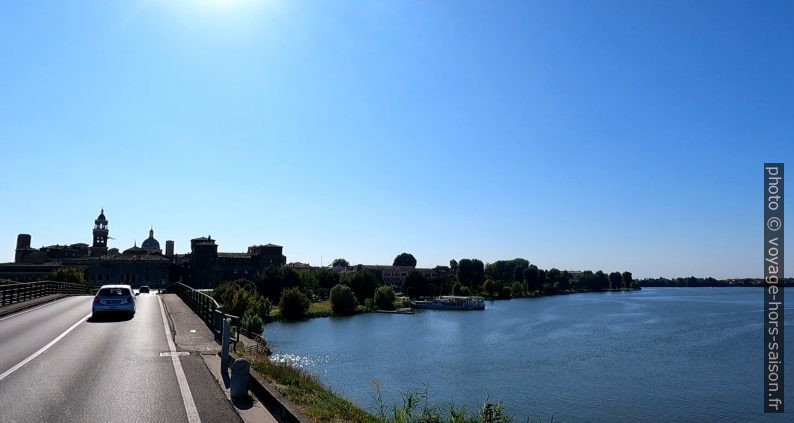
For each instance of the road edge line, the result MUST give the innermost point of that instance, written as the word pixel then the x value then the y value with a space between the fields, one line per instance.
pixel 184 388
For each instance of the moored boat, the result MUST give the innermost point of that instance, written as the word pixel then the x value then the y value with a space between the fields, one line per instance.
pixel 451 302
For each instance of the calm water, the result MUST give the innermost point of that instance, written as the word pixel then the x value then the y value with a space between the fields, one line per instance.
pixel 660 354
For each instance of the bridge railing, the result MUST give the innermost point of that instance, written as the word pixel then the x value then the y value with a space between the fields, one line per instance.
pixel 13 293
pixel 206 308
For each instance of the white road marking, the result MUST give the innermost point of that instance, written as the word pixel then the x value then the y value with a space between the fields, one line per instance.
pixel 34 308
pixel 187 397
pixel 44 348
pixel 169 353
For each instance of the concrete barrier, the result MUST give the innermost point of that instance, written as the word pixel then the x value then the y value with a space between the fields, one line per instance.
pixel 241 375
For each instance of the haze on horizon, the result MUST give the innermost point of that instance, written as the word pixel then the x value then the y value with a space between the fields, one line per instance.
pixel 617 135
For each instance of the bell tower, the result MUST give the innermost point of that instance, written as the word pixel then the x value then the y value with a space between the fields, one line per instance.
pixel 100 245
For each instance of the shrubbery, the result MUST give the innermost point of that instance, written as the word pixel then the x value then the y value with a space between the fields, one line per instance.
pixel 342 300
pixel 241 297
pixel 384 298
pixel 252 323
pixel 293 304
pixel 68 275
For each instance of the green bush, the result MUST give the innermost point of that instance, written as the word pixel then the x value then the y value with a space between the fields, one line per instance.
pixel 505 292
pixel 384 298
pixel 342 300
pixel 241 297
pixel 294 304
pixel 68 275
pixel 252 323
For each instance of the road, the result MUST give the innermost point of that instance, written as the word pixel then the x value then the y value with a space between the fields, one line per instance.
pixel 56 365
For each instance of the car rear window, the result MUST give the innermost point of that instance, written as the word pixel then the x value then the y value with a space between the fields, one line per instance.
pixel 114 292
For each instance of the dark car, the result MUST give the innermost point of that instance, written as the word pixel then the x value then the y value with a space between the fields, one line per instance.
pixel 144 289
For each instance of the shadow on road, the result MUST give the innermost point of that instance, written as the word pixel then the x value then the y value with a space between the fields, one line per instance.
pixel 109 317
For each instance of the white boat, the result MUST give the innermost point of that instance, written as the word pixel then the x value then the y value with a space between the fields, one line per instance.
pixel 451 302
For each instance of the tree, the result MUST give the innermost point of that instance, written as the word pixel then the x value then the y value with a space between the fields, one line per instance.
pixel 626 276
pixel 565 280
pixel 68 275
pixel 517 289
pixel 586 281
pixel 405 259
pixel 542 281
pixel 505 270
pixel 308 280
pixel 276 279
pixel 343 301
pixel 489 288
pixel 252 323
pixel 293 304
pixel 601 281
pixel 531 276
pixel 416 285
pixel 241 297
pixel 518 274
pixel 505 293
pixel 615 280
pixel 327 278
pixel 479 272
pixel 553 275
pixel 340 262
pixel 453 267
pixel 384 298
pixel 362 282
pixel 465 272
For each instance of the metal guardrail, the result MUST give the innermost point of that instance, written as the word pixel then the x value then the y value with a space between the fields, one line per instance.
pixel 206 308
pixel 261 344
pixel 18 292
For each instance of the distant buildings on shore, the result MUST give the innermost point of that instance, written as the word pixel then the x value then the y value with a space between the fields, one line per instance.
pixel 147 264
pixel 203 267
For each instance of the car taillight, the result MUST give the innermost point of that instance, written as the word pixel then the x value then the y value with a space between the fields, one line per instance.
pixel 96 299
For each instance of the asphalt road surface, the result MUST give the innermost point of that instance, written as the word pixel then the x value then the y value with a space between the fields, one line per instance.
pixel 56 365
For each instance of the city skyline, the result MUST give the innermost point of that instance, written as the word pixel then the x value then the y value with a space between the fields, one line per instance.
pixel 614 136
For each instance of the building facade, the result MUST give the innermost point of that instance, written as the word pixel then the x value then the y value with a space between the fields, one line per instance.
pixel 203 267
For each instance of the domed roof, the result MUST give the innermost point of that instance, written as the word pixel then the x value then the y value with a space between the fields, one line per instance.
pixel 101 218
pixel 150 244
pixel 134 250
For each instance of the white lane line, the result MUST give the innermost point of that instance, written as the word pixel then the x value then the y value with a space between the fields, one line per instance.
pixel 187 397
pixel 34 308
pixel 44 348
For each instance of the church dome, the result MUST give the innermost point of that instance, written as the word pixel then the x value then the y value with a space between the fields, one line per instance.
pixel 150 244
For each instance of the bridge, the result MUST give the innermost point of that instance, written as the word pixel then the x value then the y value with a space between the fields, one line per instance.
pixel 58 364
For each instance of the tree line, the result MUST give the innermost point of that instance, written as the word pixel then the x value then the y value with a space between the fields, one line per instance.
pixel 360 289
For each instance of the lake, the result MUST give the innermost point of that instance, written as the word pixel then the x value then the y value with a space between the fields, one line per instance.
pixel 656 355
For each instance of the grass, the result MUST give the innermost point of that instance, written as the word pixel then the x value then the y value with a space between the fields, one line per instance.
pixel 310 396
pixel 318 309
pixel 321 309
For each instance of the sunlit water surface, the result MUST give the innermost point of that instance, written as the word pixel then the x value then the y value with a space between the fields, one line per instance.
pixel 656 355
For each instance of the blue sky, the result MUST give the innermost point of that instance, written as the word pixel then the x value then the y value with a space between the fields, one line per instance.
pixel 608 135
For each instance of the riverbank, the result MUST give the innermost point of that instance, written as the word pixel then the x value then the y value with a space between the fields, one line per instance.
pixel 323 308
pixel 563 356
pixel 320 404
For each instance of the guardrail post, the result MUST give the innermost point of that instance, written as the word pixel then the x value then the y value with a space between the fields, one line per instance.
pixel 227 328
